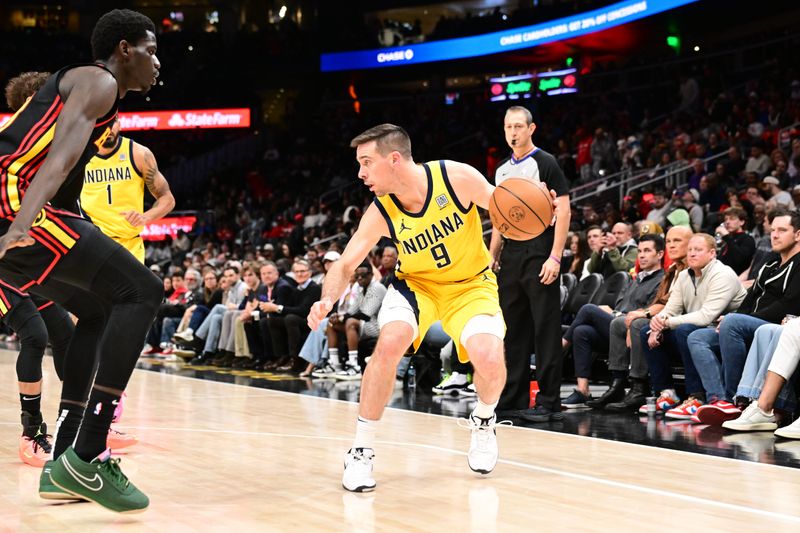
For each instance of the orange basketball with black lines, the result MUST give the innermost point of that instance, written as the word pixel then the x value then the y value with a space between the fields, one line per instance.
pixel 520 209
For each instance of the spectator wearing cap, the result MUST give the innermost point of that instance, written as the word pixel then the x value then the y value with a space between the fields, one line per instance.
pixel 679 217
pixel 737 247
pixel 777 195
pixel 691 201
pixel 330 257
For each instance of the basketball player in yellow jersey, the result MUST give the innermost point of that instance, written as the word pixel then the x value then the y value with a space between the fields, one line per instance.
pixel 113 190
pixel 430 212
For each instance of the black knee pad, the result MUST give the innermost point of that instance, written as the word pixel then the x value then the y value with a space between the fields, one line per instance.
pixel 24 318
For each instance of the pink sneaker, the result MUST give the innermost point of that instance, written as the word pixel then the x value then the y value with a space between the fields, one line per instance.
pixel 686 410
pixel 717 412
pixel 35 451
pixel 117 440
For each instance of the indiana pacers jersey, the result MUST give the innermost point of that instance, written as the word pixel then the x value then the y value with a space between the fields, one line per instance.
pixel 443 264
pixel 112 184
pixel 443 242
pixel 25 142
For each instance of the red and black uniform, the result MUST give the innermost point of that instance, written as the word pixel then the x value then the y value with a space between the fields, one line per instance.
pixel 25 141
pixel 74 264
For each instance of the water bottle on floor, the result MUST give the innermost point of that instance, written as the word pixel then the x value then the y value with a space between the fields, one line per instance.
pixel 412 377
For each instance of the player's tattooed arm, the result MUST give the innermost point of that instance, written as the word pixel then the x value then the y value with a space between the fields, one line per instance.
pixel 157 185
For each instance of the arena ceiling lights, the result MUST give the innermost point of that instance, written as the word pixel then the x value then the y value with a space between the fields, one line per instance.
pixel 501 41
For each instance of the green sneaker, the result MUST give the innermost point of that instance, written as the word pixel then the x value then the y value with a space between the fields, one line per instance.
pixel 48 491
pixel 100 481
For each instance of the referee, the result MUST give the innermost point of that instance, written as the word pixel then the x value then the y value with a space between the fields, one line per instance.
pixel 527 281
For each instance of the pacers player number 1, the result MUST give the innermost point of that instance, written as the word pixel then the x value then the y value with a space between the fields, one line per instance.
pixel 108 190
pixel 439 253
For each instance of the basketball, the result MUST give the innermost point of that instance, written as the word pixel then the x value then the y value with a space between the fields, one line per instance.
pixel 520 209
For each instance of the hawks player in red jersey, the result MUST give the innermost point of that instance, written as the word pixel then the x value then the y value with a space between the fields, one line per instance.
pixel 49 251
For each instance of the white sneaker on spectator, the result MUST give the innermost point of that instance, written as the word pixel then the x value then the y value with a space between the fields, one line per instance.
pixel 450 384
pixel 468 391
pixel 792 431
pixel 326 371
pixel 752 419
pixel 348 373
pixel 358 470
pixel 186 335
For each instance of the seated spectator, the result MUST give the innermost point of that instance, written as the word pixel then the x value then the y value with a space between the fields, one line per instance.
pixel 618 252
pixel 273 291
pixel 160 334
pixel 773 360
pixel 250 313
pixel 691 199
pixel 737 247
pixel 712 194
pixel 590 330
pixel 208 297
pixel 329 258
pixel 758 161
pixel 358 322
pixel 704 291
pixel 594 239
pixel 576 255
pixel 388 265
pixel 719 355
pixel 777 196
pixel 625 354
pixel 661 207
pixel 698 171
pixel 226 346
pixel 206 337
pixel 287 326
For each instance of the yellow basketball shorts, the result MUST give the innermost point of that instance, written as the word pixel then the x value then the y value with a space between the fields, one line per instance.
pixel 421 303
pixel 134 245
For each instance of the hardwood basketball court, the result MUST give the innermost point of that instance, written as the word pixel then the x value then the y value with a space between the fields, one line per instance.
pixel 216 456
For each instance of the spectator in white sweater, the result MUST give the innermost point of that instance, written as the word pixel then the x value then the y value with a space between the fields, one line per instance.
pixel 702 292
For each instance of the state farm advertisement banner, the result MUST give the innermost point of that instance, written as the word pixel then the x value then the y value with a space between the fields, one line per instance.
pixel 160 229
pixel 178 119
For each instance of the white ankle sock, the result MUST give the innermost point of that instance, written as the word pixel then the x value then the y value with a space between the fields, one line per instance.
pixel 352 357
pixel 333 358
pixel 365 433
pixel 484 410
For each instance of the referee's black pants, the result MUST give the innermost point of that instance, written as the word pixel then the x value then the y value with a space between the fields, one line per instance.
pixel 532 312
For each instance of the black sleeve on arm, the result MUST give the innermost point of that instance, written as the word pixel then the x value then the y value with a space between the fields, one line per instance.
pixel 788 304
pixel 304 303
pixel 551 174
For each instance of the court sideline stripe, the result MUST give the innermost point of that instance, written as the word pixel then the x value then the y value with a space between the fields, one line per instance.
pixel 523 428
pixel 552 471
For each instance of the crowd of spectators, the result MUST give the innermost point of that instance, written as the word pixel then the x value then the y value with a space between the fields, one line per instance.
pixel 722 153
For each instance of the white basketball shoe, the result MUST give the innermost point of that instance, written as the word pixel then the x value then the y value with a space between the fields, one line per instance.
pixel 358 470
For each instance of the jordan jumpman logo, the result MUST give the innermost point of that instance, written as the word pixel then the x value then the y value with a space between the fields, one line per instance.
pixel 403 226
